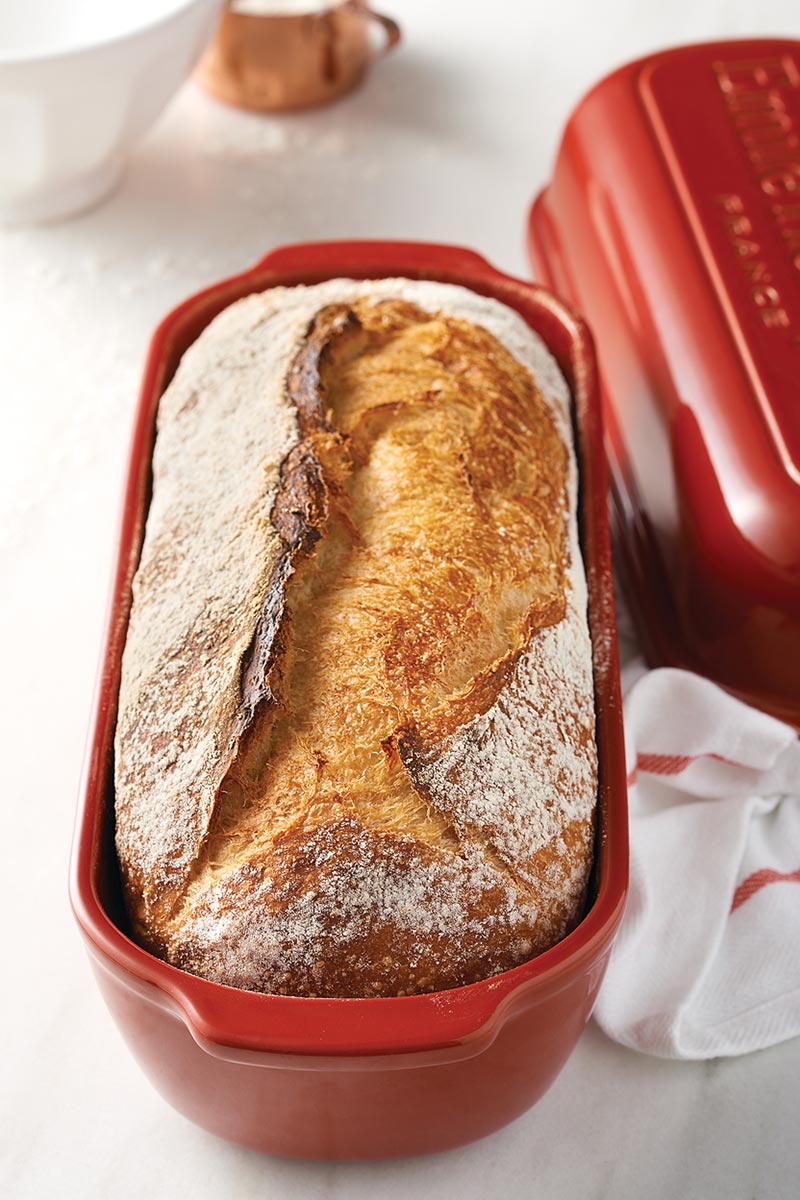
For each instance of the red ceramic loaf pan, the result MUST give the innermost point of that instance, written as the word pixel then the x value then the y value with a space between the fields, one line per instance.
pixel 375 1078
pixel 673 222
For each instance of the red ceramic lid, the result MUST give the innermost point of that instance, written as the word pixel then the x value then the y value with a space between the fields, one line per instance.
pixel 673 222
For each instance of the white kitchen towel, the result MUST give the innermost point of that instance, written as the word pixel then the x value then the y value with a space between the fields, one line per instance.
pixel 707 960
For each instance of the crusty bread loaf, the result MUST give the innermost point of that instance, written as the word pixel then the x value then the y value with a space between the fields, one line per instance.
pixel 355 745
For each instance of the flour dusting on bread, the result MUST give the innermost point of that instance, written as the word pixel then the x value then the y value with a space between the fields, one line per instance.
pixel 355 746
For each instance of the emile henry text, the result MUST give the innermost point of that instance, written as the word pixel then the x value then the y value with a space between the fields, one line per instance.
pixel 755 93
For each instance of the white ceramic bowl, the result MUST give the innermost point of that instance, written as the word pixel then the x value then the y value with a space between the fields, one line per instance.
pixel 80 81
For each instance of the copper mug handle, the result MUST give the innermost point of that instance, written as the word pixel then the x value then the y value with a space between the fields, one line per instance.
pixel 390 28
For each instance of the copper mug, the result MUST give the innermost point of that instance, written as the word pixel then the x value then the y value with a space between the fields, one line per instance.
pixel 272 60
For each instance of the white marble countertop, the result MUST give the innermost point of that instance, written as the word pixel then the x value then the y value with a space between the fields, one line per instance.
pixel 447 141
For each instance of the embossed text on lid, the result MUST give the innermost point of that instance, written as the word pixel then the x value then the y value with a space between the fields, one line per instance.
pixel 729 129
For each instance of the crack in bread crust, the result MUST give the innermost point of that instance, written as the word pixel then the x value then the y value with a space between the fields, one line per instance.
pixel 423 614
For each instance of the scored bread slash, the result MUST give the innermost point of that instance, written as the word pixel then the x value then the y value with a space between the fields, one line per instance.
pixel 355 746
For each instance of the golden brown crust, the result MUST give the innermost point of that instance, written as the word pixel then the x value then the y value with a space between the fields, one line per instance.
pixel 408 804
pixel 333 892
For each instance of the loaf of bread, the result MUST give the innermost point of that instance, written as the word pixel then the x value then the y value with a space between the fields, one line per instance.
pixel 355 748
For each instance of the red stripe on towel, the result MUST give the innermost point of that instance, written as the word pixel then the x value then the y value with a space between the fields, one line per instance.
pixel 759 879
pixel 663 764
pixel 673 764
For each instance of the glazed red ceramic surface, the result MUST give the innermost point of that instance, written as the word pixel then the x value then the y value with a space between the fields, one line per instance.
pixel 673 222
pixel 344 1079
